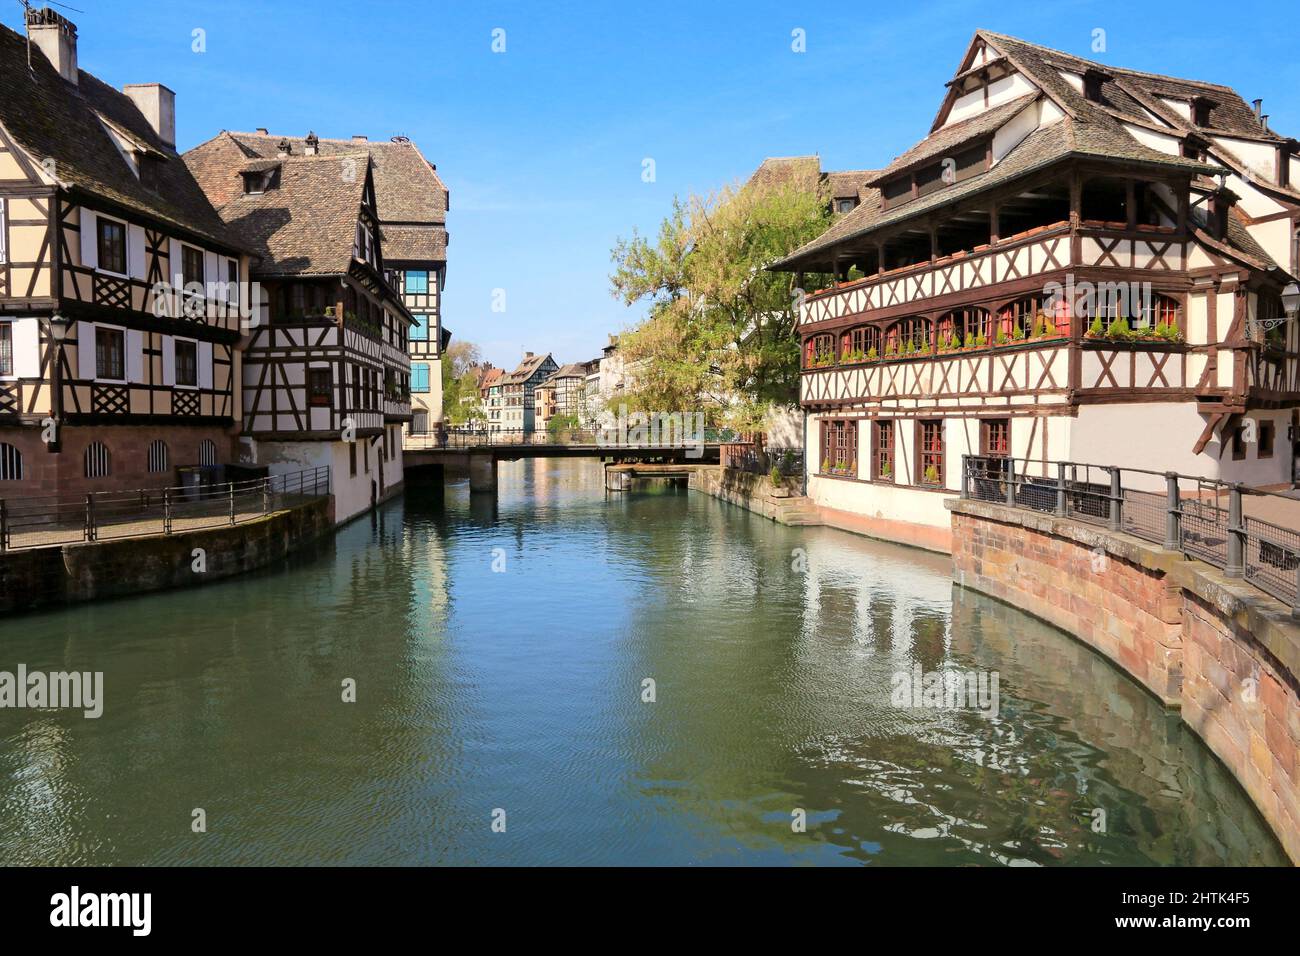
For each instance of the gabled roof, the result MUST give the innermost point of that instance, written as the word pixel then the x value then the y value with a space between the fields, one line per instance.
pixel 952 138
pixel 1129 91
pixel 51 118
pixel 410 198
pixel 1086 129
pixel 526 369
pixel 571 370
pixel 304 226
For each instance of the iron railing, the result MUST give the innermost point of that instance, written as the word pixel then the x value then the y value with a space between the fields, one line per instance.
pixel 1248 533
pixel 456 438
pixel 39 522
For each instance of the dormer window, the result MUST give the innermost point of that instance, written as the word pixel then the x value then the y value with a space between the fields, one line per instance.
pixel 845 205
pixel 260 180
pixel 1092 81
pixel 1201 111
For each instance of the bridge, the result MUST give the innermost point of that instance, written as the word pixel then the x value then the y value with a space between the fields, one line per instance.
pixel 480 451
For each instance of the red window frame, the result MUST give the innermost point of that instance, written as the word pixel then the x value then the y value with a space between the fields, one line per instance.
pixel 929 449
pixel 882 430
pixel 840 445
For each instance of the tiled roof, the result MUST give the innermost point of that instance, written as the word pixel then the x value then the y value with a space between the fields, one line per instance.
pixel 952 138
pixel 307 224
pixel 526 369
pixel 1130 90
pixel 571 370
pixel 51 118
pixel 850 183
pixel 1087 129
pixel 410 198
pixel 781 169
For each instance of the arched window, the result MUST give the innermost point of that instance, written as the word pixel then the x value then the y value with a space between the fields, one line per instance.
pixel 965 328
pixel 157 456
pixel 819 350
pixel 1158 310
pixel 907 336
pixel 11 463
pixel 98 461
pixel 856 344
pixel 207 452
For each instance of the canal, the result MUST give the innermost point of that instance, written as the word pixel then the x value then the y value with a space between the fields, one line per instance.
pixel 501 653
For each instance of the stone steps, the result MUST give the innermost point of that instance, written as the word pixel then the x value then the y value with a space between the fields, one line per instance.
pixel 800 512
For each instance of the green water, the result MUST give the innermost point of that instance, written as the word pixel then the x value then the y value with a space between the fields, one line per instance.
pixel 772 650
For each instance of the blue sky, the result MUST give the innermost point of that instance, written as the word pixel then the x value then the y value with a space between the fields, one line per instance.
pixel 542 146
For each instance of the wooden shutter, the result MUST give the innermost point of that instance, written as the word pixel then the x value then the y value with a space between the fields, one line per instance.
pixel 89 239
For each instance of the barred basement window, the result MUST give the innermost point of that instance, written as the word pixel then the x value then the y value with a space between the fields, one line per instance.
pixel 157 456
pixel 97 460
pixel 207 452
pixel 11 463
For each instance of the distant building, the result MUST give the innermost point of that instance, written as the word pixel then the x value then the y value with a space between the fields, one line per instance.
pixel 518 388
pixel 491 394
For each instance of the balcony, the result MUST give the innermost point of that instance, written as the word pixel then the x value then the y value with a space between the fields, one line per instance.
pixel 1041 251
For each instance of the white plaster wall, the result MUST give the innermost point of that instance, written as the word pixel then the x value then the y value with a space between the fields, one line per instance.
pixel 1157 141
pixel 351 495
pixel 1160 436
pixel 1013 132
pixel 881 501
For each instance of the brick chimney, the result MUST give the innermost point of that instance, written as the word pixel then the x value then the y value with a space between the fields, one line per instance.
pixel 56 37
pixel 158 104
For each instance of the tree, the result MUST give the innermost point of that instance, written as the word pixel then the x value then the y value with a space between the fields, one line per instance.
pixel 720 334
pixel 460 364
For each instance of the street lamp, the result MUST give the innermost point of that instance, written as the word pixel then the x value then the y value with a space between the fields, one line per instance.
pixel 1291 299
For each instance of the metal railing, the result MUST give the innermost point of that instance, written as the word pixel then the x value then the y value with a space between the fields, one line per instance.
pixel 1248 533
pixel 751 458
pixel 39 522
pixel 586 437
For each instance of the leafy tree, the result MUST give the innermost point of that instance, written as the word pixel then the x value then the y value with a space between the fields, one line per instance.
pixel 459 379
pixel 720 334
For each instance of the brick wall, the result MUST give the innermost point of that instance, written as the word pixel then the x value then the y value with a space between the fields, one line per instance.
pixel 1225 654
pixel 47 473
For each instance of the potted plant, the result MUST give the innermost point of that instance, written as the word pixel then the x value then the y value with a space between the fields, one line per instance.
pixel 887 471
pixel 931 475
pixel 779 489
pixel 872 354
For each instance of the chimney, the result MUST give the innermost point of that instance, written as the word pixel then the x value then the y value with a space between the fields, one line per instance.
pixel 360 139
pixel 312 144
pixel 263 131
pixel 56 37
pixel 283 149
pixel 158 104
pixel 1259 106
pixel 528 355
pixel 1221 202
pixel 1264 120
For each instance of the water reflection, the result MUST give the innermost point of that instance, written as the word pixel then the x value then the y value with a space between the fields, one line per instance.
pixel 772 652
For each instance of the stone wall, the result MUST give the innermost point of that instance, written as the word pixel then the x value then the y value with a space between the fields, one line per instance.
pixel 86 571
pixel 1222 652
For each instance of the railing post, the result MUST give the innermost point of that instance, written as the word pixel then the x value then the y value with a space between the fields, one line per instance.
pixel 167 511
pixel 4 526
pixel 1060 489
pixel 1011 482
pixel 230 485
pixel 89 532
pixel 266 496
pixel 1235 567
pixel 1295 598
pixel 965 476
pixel 1116 499
pixel 1173 514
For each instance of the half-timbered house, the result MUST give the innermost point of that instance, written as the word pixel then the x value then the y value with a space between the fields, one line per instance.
pixel 411 203
pixel 120 286
pixel 517 388
pixel 1079 262
pixel 326 372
